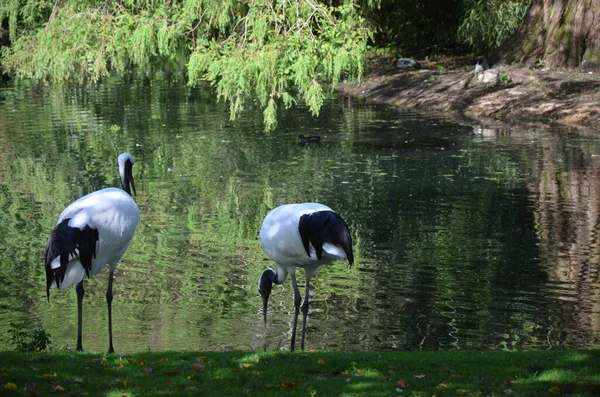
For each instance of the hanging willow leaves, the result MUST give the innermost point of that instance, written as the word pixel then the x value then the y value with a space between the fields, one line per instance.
pixel 278 53
pixel 487 23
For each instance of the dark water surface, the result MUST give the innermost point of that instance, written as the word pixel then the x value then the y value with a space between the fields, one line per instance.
pixel 464 237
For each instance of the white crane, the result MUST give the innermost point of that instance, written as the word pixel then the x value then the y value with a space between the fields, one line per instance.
pixel 307 235
pixel 93 231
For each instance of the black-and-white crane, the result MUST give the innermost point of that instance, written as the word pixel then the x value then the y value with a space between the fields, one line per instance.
pixel 92 232
pixel 307 235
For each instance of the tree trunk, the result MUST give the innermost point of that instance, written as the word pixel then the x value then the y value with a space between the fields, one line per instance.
pixel 556 33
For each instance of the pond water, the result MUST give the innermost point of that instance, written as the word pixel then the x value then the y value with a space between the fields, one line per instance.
pixel 465 237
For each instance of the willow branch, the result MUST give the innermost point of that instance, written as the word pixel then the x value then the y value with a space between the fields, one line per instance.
pixel 52 15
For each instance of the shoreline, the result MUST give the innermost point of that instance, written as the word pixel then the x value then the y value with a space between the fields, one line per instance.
pixel 521 96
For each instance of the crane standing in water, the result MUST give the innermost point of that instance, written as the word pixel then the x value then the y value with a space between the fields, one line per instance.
pixel 307 235
pixel 93 231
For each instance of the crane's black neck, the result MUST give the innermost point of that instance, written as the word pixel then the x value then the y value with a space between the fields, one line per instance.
pixel 127 177
pixel 267 279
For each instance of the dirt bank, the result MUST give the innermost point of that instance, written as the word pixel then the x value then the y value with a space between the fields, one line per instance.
pixel 569 97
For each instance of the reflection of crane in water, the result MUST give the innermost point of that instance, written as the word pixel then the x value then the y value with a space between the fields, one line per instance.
pixel 93 231
pixel 306 235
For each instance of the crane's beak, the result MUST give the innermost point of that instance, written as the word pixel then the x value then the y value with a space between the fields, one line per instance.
pixel 132 183
pixel 265 304
pixel 265 292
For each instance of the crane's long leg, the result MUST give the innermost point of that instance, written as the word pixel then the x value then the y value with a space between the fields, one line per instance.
pixel 109 298
pixel 297 299
pixel 80 292
pixel 305 308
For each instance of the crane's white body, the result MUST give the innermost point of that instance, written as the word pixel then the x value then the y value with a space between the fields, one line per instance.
pixel 115 215
pixel 281 241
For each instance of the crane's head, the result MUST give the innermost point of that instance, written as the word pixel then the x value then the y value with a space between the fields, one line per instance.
pixel 265 285
pixel 125 163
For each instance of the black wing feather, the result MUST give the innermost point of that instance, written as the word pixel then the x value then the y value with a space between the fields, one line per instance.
pixel 63 242
pixel 321 227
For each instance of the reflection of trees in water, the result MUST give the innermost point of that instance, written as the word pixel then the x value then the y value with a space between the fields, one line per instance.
pixel 445 257
pixel 565 192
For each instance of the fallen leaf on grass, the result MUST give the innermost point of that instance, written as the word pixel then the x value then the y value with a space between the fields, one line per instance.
pixel 401 384
pixel 148 370
pixel 201 359
pixel 49 376
pixel 419 376
pixel 442 386
pixel 58 388
pixel 125 383
pixel 199 368
pixel 554 390
pixel 10 386
pixel 191 388
pixel 321 361
pixel 290 385
pixel 245 365
pixel 170 382
pixel 170 373
pixel 142 362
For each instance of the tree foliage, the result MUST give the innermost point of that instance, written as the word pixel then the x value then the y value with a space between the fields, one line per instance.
pixel 415 27
pixel 275 51
pixel 488 23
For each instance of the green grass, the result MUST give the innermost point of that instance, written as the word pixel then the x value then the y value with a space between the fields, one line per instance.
pixel 318 373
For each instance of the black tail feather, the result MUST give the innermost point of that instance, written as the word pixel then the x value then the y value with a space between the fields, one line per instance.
pixel 65 241
pixel 323 227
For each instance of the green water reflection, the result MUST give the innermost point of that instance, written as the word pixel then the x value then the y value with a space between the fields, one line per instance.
pixel 464 238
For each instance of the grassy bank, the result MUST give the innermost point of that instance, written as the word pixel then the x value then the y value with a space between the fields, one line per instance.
pixel 445 373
